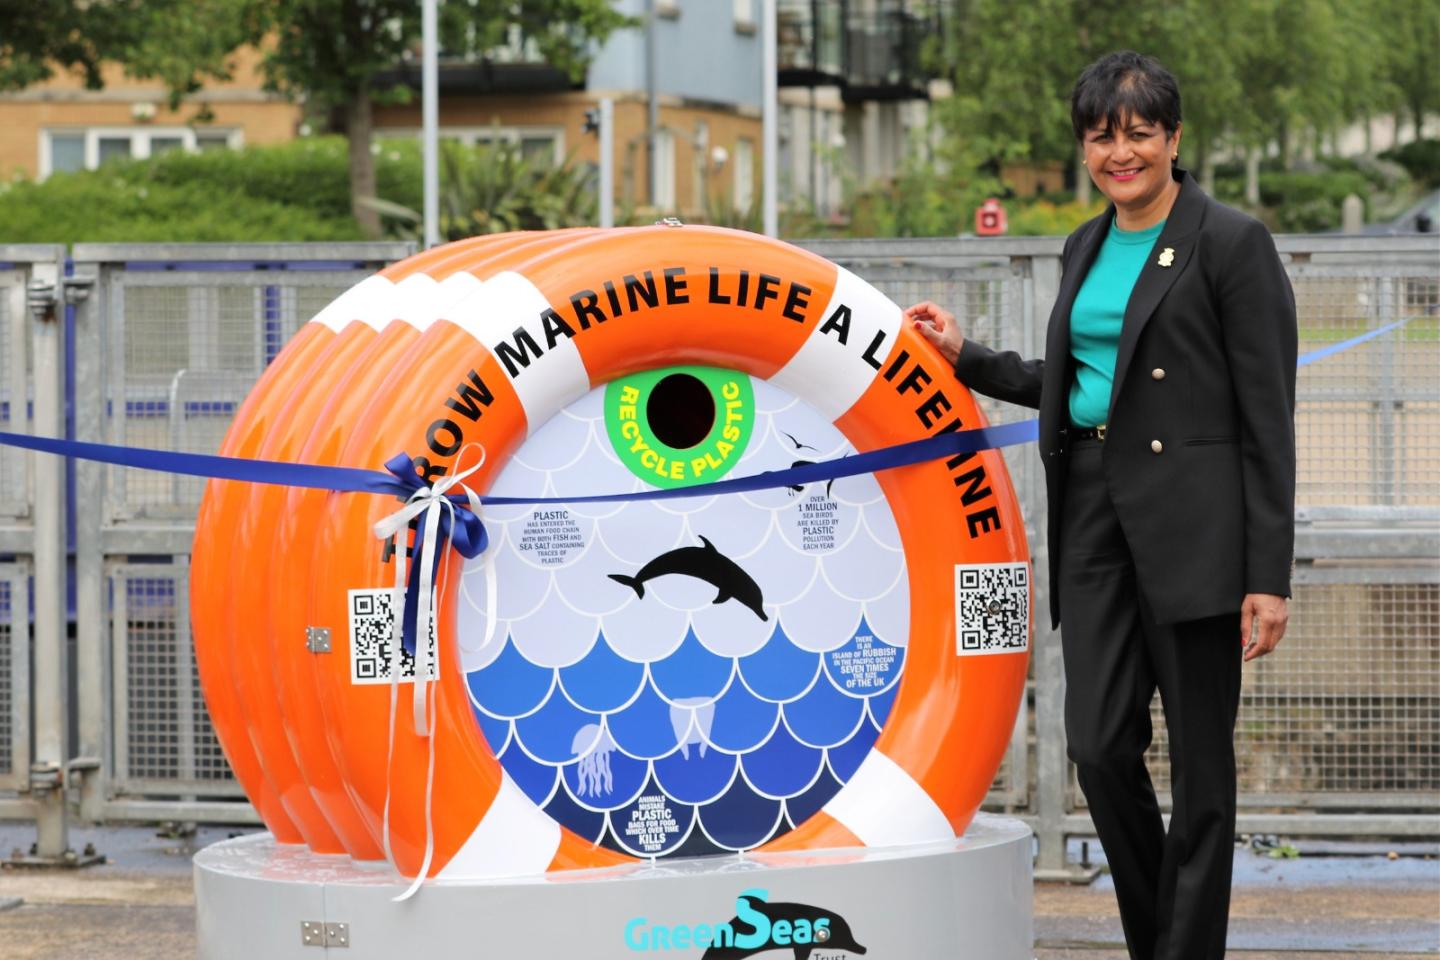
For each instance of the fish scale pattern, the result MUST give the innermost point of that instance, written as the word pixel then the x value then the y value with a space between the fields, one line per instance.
pixel 675 720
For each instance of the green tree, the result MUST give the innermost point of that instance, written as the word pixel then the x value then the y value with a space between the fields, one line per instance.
pixel 37 37
pixel 178 41
pixel 1292 61
pixel 1410 33
pixel 335 53
pixel 1252 72
pixel 1013 67
pixel 1363 88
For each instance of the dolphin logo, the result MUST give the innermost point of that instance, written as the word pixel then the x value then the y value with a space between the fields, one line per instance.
pixel 755 922
pixel 703 563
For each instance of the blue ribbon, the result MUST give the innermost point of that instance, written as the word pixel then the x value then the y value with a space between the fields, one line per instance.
pixel 468 535
pixel 403 480
pixel 210 466
pixel 1334 348
pixel 885 458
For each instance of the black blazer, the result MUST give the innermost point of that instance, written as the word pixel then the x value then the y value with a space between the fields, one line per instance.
pixel 1199 453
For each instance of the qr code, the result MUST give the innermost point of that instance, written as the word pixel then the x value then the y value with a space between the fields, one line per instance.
pixel 371 629
pixel 992 608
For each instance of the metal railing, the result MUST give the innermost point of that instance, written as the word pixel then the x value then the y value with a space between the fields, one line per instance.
pixel 1339 733
pixel 32 649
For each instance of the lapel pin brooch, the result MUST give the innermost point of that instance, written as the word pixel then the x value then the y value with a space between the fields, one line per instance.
pixel 1167 257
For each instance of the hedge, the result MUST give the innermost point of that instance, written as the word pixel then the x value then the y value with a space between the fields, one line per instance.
pixel 298 191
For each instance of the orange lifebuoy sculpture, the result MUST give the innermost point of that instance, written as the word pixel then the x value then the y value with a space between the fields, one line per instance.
pixel 538 323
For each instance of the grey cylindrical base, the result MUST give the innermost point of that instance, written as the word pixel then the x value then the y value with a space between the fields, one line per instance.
pixel 970 898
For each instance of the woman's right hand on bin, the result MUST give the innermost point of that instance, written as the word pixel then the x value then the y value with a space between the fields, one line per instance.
pixel 937 325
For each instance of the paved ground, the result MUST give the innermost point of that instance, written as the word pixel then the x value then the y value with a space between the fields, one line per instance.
pixel 1333 901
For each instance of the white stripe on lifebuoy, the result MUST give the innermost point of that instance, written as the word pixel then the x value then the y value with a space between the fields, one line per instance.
pixel 514 838
pixel 452 290
pixel 547 383
pixel 884 806
pixel 830 369
pixel 350 305
pixel 416 290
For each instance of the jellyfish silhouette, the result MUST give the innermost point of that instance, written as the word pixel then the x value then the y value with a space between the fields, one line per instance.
pixel 592 746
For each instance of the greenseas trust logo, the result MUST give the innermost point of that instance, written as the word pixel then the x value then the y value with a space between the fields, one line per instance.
pixel 757 927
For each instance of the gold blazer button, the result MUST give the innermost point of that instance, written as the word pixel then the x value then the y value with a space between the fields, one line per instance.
pixel 1157 446
pixel 1157 374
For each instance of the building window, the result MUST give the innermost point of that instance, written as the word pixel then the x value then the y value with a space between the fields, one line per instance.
pixel 67 150
pixel 543 144
pixel 67 153
pixel 744 175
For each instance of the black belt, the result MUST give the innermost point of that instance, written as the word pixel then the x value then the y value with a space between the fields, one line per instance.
pixel 1088 433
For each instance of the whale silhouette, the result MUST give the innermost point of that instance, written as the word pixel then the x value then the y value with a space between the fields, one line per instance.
pixel 703 563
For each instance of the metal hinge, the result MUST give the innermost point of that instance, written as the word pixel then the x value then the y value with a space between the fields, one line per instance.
pixel 43 294
pixel 46 776
pixel 40 298
pixel 317 639
pixel 77 289
pixel 314 933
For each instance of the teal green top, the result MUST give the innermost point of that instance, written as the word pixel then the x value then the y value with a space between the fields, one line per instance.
pixel 1096 318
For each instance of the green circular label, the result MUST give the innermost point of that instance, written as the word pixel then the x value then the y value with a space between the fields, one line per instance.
pixel 632 433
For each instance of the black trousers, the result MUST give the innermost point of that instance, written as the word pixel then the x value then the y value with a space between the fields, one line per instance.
pixel 1173 889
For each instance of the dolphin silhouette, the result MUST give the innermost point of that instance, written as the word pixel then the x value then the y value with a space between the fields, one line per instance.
pixel 703 563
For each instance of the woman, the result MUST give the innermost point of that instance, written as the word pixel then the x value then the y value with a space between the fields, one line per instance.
pixel 1166 402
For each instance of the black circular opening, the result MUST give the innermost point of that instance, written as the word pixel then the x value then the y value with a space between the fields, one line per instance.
pixel 681 411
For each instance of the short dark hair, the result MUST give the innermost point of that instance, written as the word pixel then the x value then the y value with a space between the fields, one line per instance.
pixel 1120 83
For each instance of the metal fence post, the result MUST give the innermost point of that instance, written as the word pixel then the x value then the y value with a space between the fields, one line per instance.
pixel 1051 771
pixel 47 784
pixel 1387 404
pixel 92 766
pixel 18 265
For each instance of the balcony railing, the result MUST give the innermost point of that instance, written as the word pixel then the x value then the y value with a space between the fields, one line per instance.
pixel 871 55
pixel 810 39
pixel 516 65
